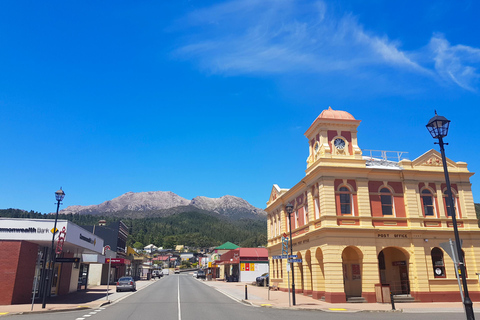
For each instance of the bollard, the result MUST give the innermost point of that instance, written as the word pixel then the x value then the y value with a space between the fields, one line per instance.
pixel 391 299
pixel 246 296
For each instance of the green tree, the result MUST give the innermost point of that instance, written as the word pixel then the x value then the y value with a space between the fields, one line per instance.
pixel 138 245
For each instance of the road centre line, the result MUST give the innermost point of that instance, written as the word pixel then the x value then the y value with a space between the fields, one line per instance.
pixel 179 310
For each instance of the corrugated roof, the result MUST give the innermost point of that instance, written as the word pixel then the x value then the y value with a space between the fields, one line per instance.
pixel 253 253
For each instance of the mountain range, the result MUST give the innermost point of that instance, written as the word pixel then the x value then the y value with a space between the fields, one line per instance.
pixel 166 203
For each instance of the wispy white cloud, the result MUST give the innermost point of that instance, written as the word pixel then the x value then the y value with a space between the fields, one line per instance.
pixel 285 36
pixel 455 63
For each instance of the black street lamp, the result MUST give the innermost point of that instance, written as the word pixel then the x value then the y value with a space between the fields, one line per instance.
pixel 59 195
pixel 438 128
pixel 289 208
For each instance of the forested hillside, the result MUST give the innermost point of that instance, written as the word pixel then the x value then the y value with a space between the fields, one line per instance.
pixel 194 229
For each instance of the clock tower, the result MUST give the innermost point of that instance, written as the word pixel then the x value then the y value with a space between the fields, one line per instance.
pixel 333 135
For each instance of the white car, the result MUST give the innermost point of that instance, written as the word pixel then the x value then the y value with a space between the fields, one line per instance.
pixel 195 274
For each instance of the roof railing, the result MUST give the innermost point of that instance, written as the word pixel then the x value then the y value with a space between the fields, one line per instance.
pixel 396 156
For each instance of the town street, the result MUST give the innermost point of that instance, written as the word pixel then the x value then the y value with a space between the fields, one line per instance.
pixel 181 297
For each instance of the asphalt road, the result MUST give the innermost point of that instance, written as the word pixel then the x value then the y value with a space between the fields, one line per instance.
pixel 181 297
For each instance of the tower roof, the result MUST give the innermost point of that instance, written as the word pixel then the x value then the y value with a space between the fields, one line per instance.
pixel 335 114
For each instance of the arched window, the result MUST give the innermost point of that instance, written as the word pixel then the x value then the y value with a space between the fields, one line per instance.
pixel 447 205
pixel 386 198
pixel 345 197
pixel 427 202
pixel 438 263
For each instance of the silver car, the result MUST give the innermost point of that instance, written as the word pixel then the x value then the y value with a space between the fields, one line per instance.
pixel 126 283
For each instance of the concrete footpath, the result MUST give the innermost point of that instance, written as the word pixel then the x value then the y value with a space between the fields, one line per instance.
pixel 92 298
pixel 261 297
pixel 95 297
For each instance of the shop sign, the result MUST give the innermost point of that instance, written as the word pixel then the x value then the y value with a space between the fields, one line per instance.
pixel 89 240
pixel 117 261
pixel 67 260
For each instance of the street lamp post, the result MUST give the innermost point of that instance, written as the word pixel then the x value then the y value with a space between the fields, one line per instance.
pixel 438 128
pixel 289 208
pixel 59 195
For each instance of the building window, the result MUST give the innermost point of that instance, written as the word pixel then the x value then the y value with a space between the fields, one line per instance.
pixel 317 209
pixel 438 263
pixel 305 210
pixel 447 206
pixel 345 197
pixel 297 224
pixel 464 263
pixel 427 201
pixel 386 198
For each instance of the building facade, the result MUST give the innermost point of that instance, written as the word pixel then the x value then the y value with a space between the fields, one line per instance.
pixel 362 219
pixel 115 236
pixel 25 262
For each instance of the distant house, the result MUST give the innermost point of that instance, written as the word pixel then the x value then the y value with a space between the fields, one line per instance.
pixel 179 248
pixel 243 264
pixel 150 248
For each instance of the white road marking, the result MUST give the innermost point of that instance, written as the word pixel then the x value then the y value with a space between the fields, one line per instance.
pixel 80 319
pixel 179 310
pixel 93 312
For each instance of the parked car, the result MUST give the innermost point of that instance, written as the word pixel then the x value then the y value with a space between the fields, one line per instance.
pixel 201 274
pixel 165 272
pixel 126 284
pixel 157 274
pixel 195 274
pixel 263 280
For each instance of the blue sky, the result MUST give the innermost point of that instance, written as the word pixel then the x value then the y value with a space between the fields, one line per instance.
pixel 209 98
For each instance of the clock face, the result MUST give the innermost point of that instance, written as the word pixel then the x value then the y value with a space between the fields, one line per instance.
pixel 317 146
pixel 339 143
pixel 438 271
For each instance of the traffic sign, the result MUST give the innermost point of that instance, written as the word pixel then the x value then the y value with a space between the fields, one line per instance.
pixel 292 256
pixel 106 248
pixel 279 257
pixel 56 230
pixel 448 249
pixel 294 260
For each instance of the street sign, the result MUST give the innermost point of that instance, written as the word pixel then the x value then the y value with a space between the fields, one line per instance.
pixel 52 230
pixel 448 249
pixel 68 260
pixel 295 260
pixel 292 256
pixel 279 257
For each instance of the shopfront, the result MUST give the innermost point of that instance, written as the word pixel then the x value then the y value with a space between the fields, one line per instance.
pixel 26 245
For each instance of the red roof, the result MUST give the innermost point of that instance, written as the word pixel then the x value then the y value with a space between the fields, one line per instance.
pixel 253 253
pixel 245 254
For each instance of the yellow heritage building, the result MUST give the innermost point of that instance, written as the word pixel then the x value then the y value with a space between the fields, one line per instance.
pixel 361 220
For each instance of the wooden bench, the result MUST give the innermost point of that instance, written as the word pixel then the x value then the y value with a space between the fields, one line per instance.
pixel 275 283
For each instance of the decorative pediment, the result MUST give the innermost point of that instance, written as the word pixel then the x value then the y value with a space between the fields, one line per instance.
pixel 276 192
pixel 432 158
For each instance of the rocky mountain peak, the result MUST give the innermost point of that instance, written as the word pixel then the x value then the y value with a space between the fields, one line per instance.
pixel 167 203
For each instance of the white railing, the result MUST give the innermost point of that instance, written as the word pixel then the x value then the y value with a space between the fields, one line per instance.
pixel 396 156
